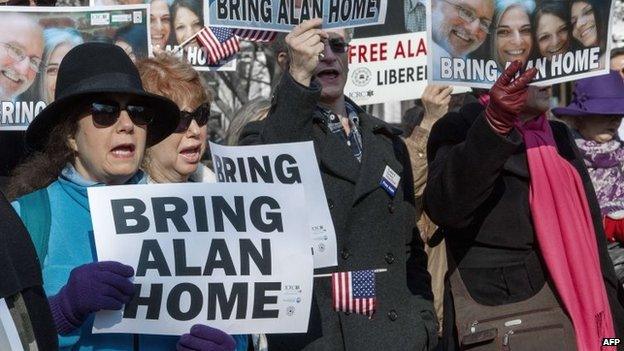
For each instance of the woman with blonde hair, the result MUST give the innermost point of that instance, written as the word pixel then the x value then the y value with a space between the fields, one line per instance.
pixel 177 158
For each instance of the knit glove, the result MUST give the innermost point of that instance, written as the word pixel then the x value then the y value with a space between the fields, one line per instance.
pixel 614 229
pixel 508 97
pixel 204 338
pixel 91 287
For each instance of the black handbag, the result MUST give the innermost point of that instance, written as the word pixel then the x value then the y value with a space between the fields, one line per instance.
pixel 537 323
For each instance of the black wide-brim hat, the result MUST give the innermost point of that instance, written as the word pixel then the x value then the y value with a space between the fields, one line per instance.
pixel 92 69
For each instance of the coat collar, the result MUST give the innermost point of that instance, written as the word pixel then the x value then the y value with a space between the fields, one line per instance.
pixel 375 124
pixel 378 152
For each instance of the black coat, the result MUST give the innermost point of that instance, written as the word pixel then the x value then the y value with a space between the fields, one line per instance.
pixel 20 273
pixel 373 229
pixel 478 192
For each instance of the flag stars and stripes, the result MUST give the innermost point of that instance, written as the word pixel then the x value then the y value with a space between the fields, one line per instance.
pixel 255 35
pixel 354 292
pixel 220 43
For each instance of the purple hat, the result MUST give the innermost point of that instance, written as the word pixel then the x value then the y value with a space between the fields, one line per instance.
pixel 600 95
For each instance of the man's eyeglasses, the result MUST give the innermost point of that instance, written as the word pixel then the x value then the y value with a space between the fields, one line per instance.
pixel 18 55
pixel 469 16
pixel 105 113
pixel 200 115
pixel 337 45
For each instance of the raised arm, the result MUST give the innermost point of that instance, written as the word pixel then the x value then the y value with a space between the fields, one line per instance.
pixel 463 173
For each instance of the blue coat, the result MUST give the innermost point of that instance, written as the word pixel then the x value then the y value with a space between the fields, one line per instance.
pixel 71 245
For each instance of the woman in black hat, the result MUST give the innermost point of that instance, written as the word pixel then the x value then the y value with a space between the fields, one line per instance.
pixel 93 134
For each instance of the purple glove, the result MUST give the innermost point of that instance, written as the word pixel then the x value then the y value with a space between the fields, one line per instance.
pixel 204 338
pixel 91 287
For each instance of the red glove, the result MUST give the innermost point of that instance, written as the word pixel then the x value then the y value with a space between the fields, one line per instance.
pixel 508 97
pixel 614 229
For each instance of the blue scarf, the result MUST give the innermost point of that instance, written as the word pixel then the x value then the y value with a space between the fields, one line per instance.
pixel 76 185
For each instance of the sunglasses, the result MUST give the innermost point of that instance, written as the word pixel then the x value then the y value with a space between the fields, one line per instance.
pixel 338 45
pixel 200 115
pixel 106 113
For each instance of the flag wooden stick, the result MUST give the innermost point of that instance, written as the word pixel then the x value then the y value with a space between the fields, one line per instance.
pixel 380 270
pixel 181 45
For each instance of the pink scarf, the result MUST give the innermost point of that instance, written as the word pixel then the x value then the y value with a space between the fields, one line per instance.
pixel 566 237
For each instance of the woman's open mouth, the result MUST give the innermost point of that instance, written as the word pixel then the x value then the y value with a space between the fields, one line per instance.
pixel 191 154
pixel 123 151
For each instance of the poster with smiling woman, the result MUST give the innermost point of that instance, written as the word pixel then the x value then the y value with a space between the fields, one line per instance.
pixel 172 25
pixel 474 40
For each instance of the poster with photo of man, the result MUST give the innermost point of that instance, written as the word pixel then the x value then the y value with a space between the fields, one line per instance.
pixel 472 41
pixel 172 24
pixel 34 40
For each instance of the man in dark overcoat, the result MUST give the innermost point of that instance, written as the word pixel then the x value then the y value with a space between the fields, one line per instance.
pixel 374 223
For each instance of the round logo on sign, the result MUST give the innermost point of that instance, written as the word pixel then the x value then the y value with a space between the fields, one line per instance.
pixel 361 76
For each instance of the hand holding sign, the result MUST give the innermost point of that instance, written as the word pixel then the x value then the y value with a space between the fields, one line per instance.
pixel 305 43
pixel 436 100
pixel 205 338
pixel 508 97
pixel 91 287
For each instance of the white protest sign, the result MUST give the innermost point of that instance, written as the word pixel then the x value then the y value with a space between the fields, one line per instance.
pixel 387 68
pixel 283 15
pixel 9 337
pixel 233 256
pixel 291 163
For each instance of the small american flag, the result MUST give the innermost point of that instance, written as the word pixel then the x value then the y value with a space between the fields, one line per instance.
pixel 261 36
pixel 220 43
pixel 354 292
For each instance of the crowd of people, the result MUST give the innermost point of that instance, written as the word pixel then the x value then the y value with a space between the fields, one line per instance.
pixel 504 231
